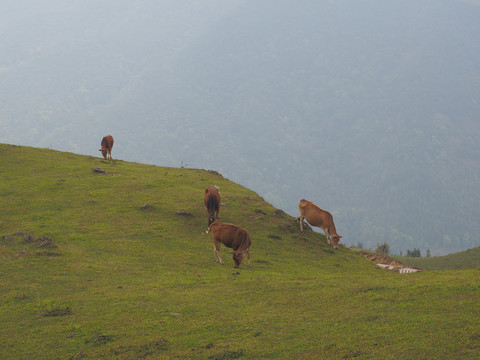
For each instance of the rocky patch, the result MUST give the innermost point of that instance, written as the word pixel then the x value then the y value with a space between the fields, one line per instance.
pixel 387 262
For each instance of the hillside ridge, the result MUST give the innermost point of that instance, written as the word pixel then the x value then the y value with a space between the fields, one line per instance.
pixel 289 222
pixel 105 172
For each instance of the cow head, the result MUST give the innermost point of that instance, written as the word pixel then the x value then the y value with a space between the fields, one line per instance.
pixel 238 258
pixel 104 152
pixel 335 241
pixel 211 219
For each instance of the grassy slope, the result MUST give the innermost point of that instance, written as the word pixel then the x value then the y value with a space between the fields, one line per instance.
pixel 468 259
pixel 127 283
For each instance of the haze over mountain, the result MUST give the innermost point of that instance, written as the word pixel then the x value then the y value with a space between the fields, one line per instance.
pixel 368 108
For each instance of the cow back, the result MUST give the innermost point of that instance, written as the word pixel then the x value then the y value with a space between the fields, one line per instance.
pixel 314 214
pixel 212 198
pixel 231 236
pixel 212 203
pixel 107 142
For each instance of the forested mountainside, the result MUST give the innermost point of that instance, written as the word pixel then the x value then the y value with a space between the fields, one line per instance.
pixel 369 108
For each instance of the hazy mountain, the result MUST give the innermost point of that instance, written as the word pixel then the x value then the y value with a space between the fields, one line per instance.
pixel 368 108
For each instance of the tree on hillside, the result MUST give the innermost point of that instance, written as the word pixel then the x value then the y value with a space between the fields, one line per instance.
pixel 383 248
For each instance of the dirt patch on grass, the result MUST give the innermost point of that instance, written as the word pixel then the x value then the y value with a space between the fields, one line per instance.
pixel 42 241
pixel 99 339
pixel 152 348
pixel 28 241
pixel 146 207
pixel 99 170
pixel 184 212
pixel 224 355
pixel 58 311
pixel 142 351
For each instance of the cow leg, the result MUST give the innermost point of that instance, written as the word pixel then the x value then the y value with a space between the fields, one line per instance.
pixel 216 249
pixel 328 235
pixel 248 257
pixel 301 223
pixel 215 253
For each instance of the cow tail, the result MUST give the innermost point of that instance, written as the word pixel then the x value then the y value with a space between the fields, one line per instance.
pixel 212 205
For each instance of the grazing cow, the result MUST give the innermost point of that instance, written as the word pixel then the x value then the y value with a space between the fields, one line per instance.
pixel 212 203
pixel 107 145
pixel 320 218
pixel 232 237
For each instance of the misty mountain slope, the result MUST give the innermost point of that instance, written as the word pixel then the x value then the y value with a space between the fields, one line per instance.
pixel 380 127
pixel 369 109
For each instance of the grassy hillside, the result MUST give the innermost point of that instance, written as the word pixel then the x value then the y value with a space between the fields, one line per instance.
pixel 120 282
pixel 468 259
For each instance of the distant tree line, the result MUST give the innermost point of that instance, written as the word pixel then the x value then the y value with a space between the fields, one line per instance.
pixel 384 248
pixel 414 253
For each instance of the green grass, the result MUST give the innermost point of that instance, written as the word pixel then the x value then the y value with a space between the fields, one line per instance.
pixel 468 259
pixel 120 282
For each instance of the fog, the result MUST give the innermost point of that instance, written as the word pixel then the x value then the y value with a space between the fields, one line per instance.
pixel 369 109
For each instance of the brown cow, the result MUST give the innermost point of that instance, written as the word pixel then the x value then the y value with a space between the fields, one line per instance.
pixel 232 237
pixel 212 203
pixel 107 145
pixel 320 218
